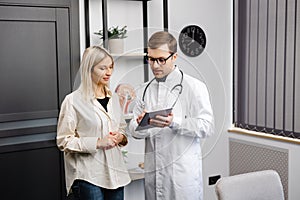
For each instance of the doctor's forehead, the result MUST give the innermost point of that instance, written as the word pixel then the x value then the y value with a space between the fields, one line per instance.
pixel 164 49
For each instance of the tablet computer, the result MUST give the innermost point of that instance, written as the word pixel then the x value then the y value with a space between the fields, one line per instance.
pixel 144 124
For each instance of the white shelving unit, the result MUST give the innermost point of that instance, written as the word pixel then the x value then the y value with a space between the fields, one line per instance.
pixel 104 11
pixel 125 64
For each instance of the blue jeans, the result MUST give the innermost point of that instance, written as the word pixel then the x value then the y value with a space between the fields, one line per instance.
pixel 83 190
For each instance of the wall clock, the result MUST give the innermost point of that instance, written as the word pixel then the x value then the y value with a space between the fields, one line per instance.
pixel 192 40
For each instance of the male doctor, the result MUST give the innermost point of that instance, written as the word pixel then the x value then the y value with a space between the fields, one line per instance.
pixel 173 162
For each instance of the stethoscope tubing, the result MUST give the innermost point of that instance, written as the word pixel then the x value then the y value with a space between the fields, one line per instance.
pixel 175 86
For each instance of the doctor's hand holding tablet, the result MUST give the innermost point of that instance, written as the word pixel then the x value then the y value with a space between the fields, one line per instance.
pixel 160 118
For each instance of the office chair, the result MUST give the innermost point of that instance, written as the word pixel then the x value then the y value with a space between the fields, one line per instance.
pixel 260 185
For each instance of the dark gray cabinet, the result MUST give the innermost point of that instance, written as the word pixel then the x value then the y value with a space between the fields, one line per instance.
pixel 39 57
pixel 35 61
pixel 33 174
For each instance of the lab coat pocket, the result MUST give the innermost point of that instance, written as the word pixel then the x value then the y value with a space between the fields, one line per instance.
pixel 187 171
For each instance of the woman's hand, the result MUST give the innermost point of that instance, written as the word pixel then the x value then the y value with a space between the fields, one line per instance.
pixel 118 136
pixel 107 142
pixel 112 140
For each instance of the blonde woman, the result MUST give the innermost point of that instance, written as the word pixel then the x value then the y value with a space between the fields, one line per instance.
pixel 90 131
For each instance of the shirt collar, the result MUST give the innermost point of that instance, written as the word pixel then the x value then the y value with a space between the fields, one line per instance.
pixel 170 77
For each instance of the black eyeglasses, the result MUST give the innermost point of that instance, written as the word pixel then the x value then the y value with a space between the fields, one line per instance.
pixel 160 61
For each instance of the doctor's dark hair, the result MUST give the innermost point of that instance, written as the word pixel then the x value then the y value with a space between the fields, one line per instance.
pixel 91 57
pixel 162 37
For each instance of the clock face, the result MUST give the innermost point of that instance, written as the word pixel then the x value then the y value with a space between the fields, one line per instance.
pixel 192 40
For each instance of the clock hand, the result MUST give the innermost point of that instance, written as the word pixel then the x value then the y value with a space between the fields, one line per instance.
pixel 193 36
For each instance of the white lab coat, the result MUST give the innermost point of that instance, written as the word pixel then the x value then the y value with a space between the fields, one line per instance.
pixel 173 162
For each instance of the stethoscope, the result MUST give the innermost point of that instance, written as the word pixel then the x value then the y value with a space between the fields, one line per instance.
pixel 173 88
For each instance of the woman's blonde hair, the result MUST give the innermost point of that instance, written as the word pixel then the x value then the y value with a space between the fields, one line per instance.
pixel 91 57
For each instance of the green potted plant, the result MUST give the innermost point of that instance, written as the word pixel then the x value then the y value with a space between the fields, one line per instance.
pixel 115 38
pixel 114 32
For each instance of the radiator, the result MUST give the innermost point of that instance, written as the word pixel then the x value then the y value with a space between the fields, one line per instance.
pixel 247 156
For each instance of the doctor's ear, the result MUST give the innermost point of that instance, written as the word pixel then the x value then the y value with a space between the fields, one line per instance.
pixel 175 56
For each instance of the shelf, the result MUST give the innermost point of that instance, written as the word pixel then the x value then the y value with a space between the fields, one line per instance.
pixel 105 36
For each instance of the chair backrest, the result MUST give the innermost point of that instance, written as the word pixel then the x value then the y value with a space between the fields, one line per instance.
pixel 260 185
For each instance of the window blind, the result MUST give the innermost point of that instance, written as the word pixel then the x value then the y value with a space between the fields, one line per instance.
pixel 267 66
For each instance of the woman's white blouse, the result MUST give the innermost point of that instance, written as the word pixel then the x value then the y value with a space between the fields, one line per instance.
pixel 80 125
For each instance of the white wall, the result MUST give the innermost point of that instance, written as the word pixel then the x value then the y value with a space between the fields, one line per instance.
pixel 214 66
